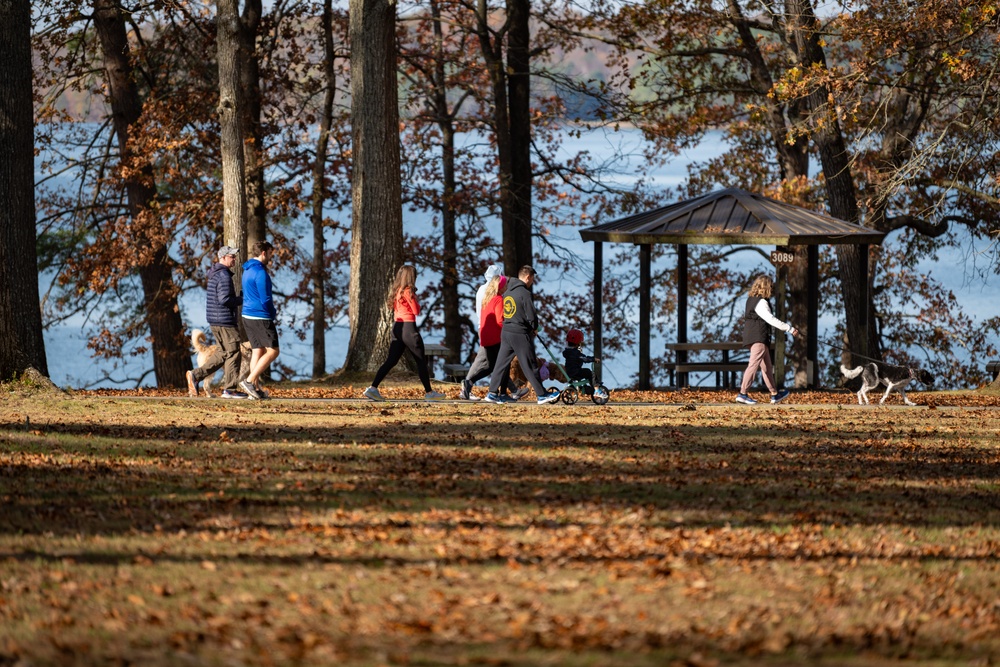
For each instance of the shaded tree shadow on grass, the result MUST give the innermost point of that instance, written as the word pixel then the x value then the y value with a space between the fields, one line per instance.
pixel 133 478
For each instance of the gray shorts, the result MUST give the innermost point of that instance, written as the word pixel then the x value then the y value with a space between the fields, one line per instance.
pixel 261 333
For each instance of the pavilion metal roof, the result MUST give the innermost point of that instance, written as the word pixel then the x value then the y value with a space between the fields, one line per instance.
pixel 732 216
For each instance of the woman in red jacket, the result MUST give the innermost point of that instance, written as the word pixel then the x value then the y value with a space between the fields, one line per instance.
pixel 405 335
pixel 490 323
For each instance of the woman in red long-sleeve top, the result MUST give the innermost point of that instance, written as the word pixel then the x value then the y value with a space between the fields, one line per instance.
pixel 405 335
pixel 490 324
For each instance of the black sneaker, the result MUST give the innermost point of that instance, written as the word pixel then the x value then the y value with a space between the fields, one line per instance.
pixel 250 390
pixel 521 393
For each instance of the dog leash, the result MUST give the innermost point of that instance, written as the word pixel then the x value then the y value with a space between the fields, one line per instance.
pixel 844 349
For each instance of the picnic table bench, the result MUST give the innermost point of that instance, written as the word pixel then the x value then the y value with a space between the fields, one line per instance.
pixel 432 351
pixel 455 372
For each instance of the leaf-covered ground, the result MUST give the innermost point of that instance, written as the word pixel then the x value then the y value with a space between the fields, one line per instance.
pixel 410 391
pixel 691 531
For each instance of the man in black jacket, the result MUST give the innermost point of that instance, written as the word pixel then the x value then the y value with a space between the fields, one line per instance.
pixel 222 311
pixel 519 325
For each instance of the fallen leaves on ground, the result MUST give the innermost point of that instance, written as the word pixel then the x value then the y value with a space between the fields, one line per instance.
pixel 678 532
pixel 410 391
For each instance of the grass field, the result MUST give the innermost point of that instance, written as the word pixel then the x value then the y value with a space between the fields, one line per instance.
pixel 172 531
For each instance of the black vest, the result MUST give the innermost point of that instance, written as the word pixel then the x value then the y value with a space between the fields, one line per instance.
pixel 755 329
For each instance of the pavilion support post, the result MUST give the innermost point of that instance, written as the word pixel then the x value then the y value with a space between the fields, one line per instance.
pixel 812 324
pixel 645 300
pixel 598 307
pixel 864 297
pixel 682 309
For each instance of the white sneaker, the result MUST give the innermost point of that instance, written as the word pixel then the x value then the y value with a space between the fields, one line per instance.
pixel 549 398
pixel 372 393
pixel 434 396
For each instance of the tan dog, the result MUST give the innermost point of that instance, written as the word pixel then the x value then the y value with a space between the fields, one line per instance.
pixel 204 352
pixel 519 379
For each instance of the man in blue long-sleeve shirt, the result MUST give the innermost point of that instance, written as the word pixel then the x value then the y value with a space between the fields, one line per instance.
pixel 259 315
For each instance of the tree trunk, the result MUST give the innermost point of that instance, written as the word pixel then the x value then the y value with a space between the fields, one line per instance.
pixel 234 199
pixel 449 233
pixel 793 163
pixel 20 315
pixel 519 97
pixel 377 220
pixel 493 56
pixel 798 291
pixel 841 193
pixel 171 357
pixel 250 118
pixel 319 193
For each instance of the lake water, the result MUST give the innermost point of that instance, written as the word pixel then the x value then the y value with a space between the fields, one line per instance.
pixel 71 364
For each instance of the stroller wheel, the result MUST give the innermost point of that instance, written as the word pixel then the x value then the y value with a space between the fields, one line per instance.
pixel 570 395
pixel 601 394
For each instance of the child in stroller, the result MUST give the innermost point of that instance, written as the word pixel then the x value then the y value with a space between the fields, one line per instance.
pixel 581 380
pixel 575 359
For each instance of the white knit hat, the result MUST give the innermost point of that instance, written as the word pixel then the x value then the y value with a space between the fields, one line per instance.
pixel 493 270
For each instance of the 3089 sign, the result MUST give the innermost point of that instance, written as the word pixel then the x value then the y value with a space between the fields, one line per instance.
pixel 782 257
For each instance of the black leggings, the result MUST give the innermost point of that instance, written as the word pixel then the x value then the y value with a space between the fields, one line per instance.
pixel 405 336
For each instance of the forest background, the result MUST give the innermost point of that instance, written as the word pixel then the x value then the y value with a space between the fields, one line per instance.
pixel 879 113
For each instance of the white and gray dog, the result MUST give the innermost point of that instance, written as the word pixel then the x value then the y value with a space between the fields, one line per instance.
pixel 893 377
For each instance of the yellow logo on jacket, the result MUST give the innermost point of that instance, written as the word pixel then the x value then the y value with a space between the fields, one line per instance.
pixel 509 307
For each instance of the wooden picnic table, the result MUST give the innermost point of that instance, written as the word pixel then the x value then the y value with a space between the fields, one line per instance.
pixel 725 370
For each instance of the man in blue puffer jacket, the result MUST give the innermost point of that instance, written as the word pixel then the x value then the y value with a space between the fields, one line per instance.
pixel 222 310
pixel 259 315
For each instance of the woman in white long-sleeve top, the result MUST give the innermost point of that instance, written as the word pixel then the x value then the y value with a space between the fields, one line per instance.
pixel 757 326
